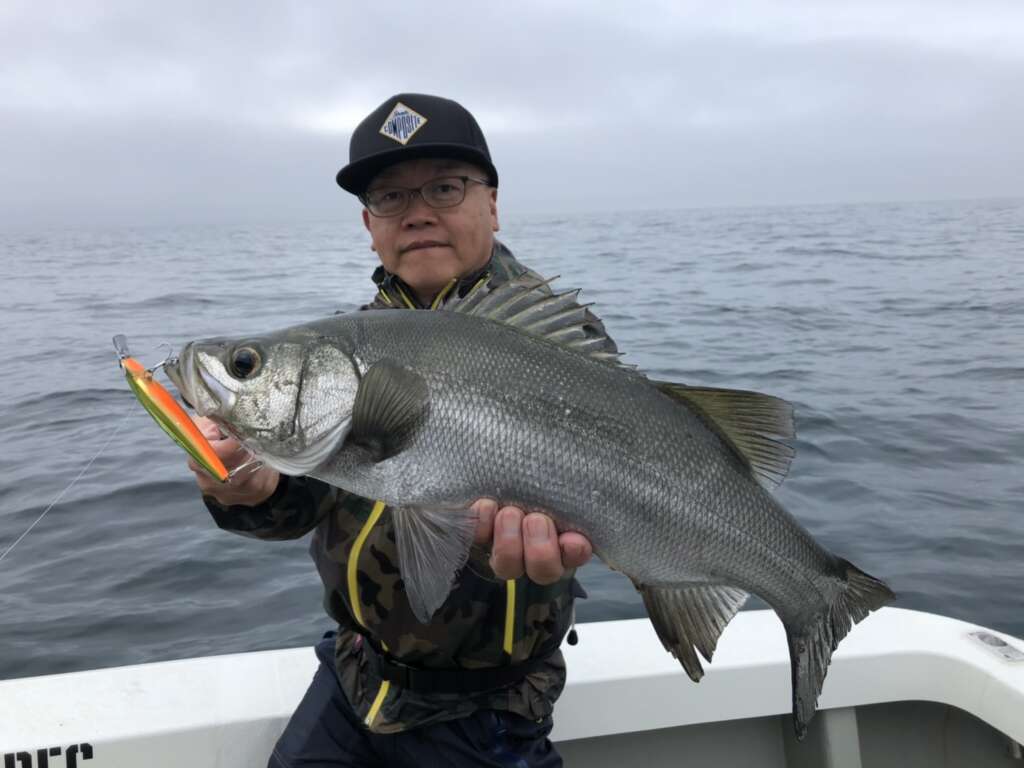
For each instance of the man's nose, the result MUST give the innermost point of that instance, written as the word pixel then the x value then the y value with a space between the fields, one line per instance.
pixel 418 212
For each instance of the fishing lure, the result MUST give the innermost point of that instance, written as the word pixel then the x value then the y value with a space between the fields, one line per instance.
pixel 161 405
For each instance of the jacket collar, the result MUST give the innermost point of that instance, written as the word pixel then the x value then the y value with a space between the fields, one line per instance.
pixel 398 294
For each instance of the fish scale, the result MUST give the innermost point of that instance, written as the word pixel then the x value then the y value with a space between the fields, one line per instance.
pixel 429 411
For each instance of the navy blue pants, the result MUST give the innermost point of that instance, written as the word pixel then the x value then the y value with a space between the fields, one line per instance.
pixel 324 732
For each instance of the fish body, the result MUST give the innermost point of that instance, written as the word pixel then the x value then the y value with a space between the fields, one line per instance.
pixel 600 448
pixel 506 397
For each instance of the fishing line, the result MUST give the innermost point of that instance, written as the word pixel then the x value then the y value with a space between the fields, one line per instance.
pixel 68 488
pixel 252 464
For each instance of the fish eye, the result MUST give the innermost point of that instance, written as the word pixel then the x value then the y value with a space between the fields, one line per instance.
pixel 245 362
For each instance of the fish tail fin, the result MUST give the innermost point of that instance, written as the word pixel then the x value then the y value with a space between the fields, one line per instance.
pixel 811 643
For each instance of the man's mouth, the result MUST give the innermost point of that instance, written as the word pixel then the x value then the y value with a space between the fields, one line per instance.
pixel 420 244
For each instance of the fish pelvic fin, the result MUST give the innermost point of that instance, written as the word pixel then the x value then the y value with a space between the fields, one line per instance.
pixel 433 545
pixel 756 426
pixel 690 619
pixel 811 643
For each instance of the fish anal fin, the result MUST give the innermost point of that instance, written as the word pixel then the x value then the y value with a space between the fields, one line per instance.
pixel 757 426
pixel 433 545
pixel 690 619
pixel 390 403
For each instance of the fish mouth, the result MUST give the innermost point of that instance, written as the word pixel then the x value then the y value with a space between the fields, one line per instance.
pixel 200 390
pixel 178 370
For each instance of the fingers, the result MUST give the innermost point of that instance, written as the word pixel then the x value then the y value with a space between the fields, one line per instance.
pixel 541 554
pixel 530 544
pixel 576 549
pixel 249 488
pixel 507 549
pixel 485 510
pixel 208 427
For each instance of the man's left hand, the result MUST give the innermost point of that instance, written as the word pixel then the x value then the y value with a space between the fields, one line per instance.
pixel 528 544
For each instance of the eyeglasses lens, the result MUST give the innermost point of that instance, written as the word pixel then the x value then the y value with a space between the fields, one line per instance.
pixel 437 193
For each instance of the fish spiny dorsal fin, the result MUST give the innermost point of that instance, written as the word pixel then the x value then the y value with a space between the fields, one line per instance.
pixel 528 304
pixel 755 425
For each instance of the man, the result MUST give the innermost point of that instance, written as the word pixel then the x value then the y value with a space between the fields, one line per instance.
pixel 475 686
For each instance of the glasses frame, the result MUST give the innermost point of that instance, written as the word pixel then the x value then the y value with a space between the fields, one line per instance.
pixel 410 191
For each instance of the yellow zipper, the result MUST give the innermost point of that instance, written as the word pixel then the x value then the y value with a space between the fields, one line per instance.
pixel 444 292
pixel 353 561
pixel 405 297
pixel 357 608
pixel 377 702
pixel 510 614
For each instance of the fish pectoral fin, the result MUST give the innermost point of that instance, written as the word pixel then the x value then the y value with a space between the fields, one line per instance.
pixel 690 619
pixel 433 545
pixel 755 425
pixel 390 403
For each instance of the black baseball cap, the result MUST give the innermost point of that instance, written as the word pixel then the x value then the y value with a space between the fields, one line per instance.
pixel 408 126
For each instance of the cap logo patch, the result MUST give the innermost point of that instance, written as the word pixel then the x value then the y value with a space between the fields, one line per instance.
pixel 402 123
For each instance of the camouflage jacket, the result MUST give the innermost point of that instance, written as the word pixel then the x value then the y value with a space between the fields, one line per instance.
pixel 485 622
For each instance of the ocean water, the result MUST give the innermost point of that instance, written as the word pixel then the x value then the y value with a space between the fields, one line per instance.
pixel 896 330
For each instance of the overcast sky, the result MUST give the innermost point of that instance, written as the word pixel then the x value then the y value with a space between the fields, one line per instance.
pixel 126 111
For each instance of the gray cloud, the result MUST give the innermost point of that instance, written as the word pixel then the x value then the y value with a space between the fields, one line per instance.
pixel 125 111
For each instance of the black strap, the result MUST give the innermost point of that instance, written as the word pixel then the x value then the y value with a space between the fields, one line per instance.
pixel 454 680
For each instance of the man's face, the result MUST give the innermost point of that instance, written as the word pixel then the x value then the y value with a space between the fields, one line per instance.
pixel 425 246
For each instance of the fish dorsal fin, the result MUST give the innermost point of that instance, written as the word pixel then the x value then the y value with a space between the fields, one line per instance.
pixel 389 405
pixel 433 545
pixel 528 304
pixel 690 619
pixel 754 424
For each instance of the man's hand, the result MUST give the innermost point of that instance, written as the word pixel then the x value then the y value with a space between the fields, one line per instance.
pixel 528 543
pixel 248 488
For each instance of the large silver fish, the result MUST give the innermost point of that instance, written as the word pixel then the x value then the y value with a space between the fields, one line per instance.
pixel 505 396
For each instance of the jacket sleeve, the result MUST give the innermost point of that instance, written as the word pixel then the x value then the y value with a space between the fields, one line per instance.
pixel 296 507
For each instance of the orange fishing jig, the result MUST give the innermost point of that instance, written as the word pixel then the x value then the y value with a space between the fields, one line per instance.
pixel 161 405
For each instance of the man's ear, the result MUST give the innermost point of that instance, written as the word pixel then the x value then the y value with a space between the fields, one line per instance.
pixel 495 226
pixel 366 223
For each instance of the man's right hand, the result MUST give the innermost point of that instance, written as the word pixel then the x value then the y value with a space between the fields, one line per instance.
pixel 248 487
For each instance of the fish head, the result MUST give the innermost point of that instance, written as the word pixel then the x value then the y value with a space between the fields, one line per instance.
pixel 287 397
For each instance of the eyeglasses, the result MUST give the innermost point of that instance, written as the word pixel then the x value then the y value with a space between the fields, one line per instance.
pixel 445 192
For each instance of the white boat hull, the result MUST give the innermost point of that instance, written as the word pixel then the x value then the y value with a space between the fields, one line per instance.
pixel 896 672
